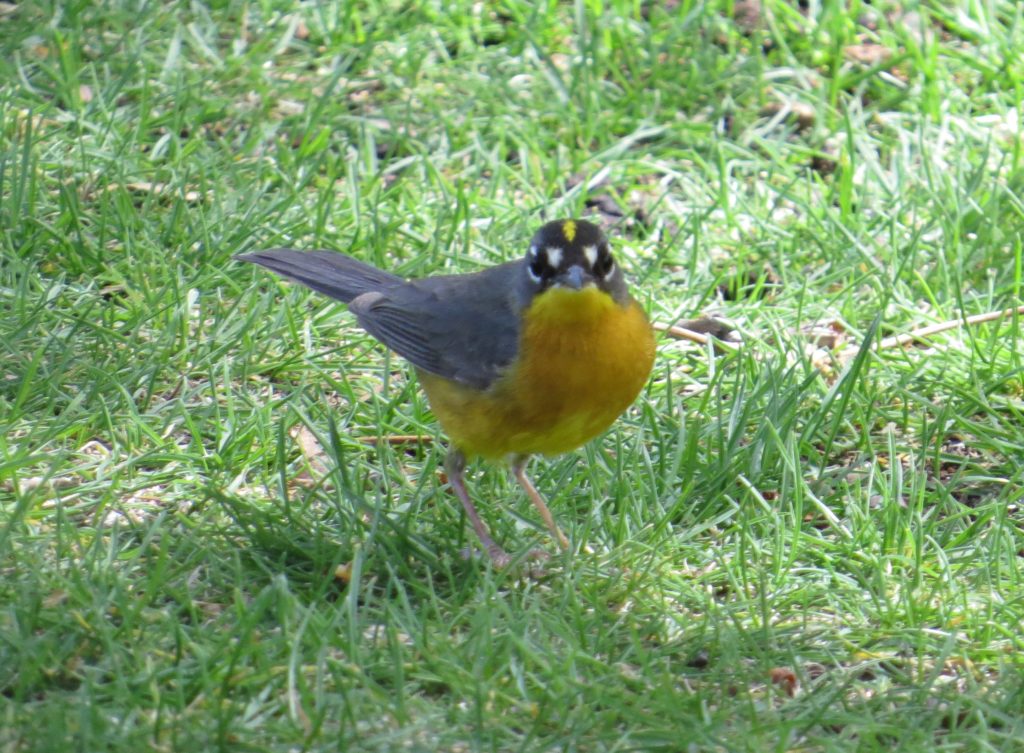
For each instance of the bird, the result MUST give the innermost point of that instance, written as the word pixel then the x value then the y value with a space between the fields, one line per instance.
pixel 538 355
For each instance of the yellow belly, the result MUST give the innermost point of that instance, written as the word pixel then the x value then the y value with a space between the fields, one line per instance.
pixel 583 359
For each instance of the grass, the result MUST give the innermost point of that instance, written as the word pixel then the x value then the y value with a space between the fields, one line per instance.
pixel 204 548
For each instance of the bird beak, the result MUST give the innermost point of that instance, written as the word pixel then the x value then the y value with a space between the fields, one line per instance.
pixel 575 277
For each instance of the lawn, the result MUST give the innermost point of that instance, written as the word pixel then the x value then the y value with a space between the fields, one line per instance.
pixel 224 524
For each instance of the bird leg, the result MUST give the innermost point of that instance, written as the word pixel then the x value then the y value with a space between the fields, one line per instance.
pixel 519 471
pixel 455 467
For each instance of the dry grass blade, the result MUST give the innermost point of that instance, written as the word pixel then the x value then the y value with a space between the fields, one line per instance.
pixel 397 440
pixel 896 341
pixel 702 331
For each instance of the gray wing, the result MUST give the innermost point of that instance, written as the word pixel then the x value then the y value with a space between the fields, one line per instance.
pixel 462 327
pixel 328 272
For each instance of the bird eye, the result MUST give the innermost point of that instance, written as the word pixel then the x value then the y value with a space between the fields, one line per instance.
pixel 604 264
pixel 539 266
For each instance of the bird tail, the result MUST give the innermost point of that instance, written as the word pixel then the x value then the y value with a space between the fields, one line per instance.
pixel 333 274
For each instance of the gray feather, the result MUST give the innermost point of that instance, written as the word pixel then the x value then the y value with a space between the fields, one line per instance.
pixel 461 327
pixel 328 272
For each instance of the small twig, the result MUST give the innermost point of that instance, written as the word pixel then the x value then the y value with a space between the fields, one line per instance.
pixel 703 331
pixel 896 341
pixel 397 440
pixel 681 333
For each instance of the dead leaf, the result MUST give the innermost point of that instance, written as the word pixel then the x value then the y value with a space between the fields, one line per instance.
pixel 799 113
pixel 786 679
pixel 748 16
pixel 867 54
pixel 666 5
pixel 814 670
pixel 754 284
pixel 604 202
pixel 699 660
pixel 55 598
pixel 343 573
pixel 830 336
pixel 310 447
pixel 156 189
pixel 314 456
pixel 823 164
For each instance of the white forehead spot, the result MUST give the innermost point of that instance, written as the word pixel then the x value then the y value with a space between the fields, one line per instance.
pixel 533 251
pixel 554 257
pixel 591 253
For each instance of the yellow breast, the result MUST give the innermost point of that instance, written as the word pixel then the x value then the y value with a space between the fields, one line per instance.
pixel 583 358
